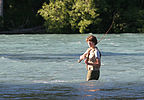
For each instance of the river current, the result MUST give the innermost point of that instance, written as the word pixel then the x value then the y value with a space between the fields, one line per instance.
pixel 45 67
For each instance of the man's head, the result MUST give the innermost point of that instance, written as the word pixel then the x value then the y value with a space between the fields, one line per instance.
pixel 92 39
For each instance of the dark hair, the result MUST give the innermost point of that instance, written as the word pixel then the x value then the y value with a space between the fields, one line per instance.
pixel 92 38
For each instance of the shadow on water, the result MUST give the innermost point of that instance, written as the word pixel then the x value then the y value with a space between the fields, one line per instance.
pixel 121 54
pixel 38 91
pixel 85 91
pixel 60 56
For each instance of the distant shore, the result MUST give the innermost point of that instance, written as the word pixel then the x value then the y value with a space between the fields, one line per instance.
pixel 38 29
pixel 42 30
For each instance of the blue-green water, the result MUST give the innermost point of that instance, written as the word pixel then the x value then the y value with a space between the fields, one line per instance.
pixel 45 67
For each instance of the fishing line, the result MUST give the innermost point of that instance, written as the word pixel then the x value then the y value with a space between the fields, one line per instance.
pixel 102 36
pixel 107 30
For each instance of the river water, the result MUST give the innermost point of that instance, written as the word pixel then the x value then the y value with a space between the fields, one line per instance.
pixel 45 67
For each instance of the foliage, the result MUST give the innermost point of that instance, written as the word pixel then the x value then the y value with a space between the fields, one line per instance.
pixel 56 16
pixel 74 16
pixel 82 15
pixel 60 16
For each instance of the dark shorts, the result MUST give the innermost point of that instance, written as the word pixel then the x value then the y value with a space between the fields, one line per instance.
pixel 93 75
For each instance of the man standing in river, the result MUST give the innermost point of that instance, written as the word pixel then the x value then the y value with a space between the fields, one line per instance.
pixel 92 59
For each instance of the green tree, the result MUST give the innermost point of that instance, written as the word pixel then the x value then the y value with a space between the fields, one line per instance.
pixel 56 16
pixel 83 14
pixel 128 16
pixel 69 15
pixel 74 16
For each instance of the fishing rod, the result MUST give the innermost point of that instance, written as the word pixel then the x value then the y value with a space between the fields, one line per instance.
pixel 102 36
pixel 107 30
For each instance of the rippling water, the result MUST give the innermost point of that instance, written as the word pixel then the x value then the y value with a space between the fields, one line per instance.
pixel 45 67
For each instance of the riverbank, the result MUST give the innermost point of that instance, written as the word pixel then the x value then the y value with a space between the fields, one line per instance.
pixel 38 29
pixel 42 30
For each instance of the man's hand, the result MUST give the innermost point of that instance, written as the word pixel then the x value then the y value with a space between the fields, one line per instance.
pixel 86 61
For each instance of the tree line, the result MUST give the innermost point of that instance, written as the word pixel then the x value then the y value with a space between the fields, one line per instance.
pixel 74 16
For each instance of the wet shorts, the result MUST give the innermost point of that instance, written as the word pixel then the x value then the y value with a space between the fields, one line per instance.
pixel 93 75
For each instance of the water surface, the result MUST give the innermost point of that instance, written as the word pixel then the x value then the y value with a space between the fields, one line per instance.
pixel 45 67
